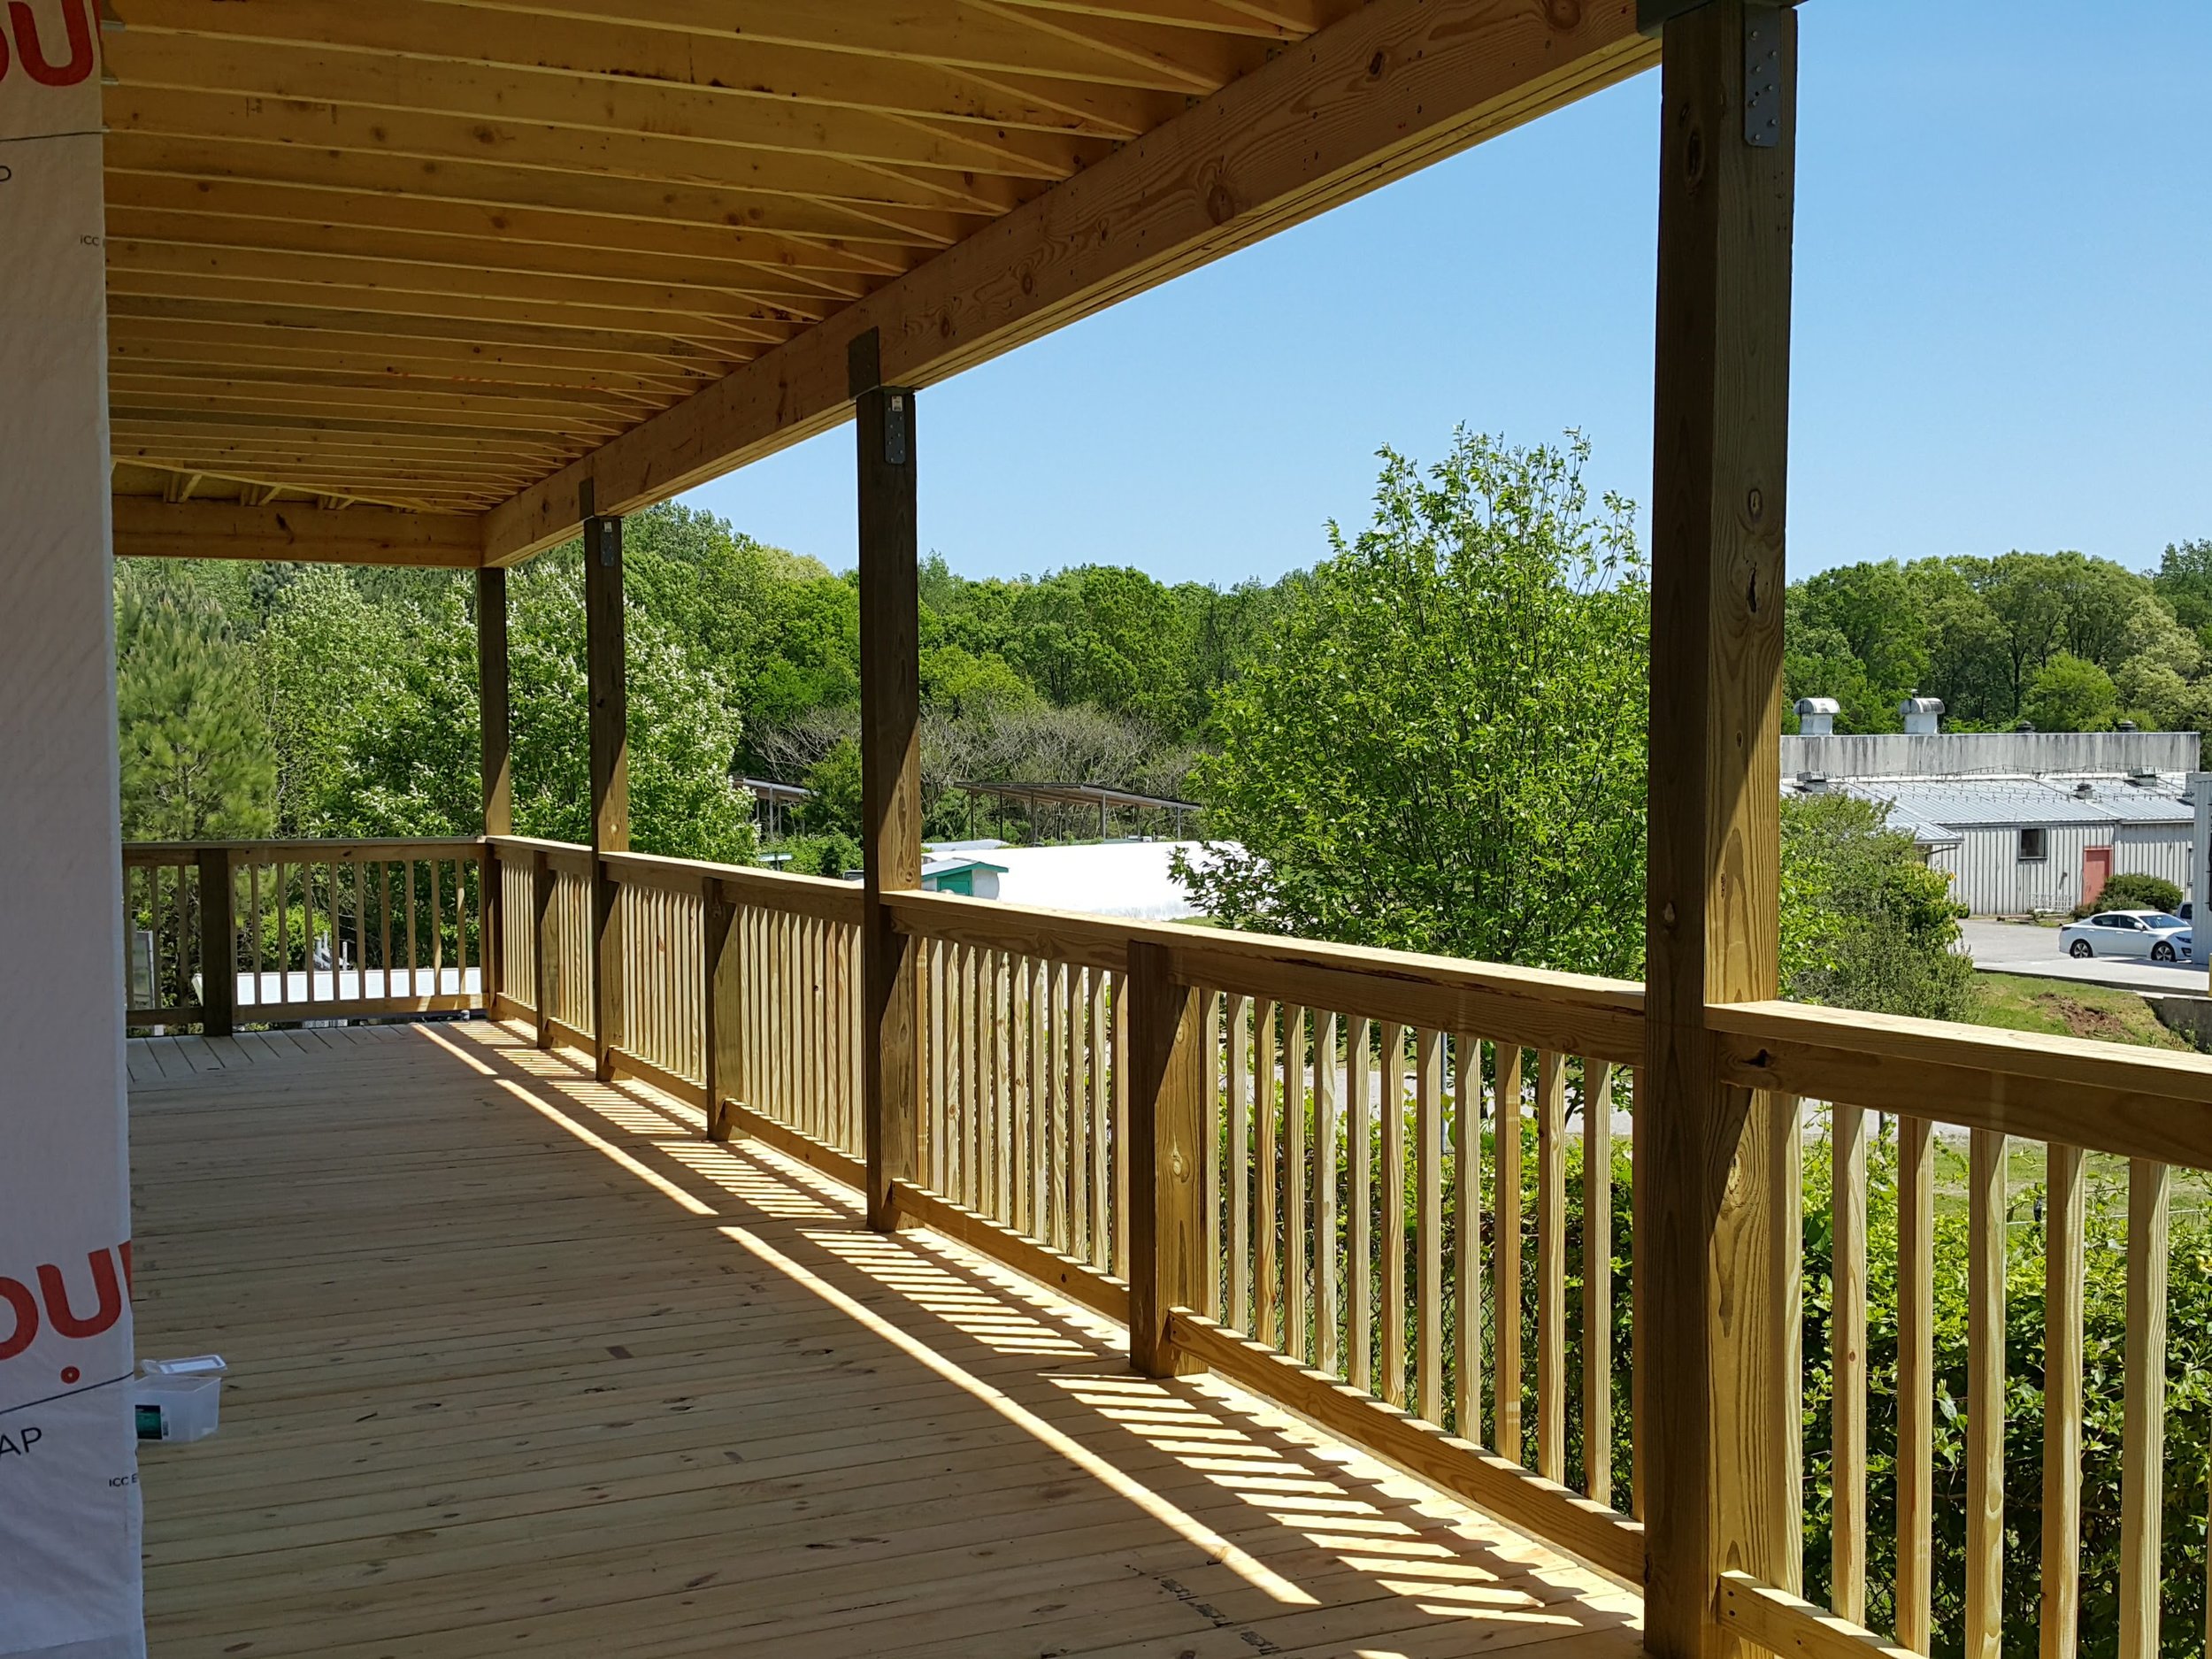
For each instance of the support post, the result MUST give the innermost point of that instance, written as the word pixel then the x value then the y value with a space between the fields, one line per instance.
pixel 1168 1253
pixel 890 774
pixel 219 945
pixel 1722 1494
pixel 541 880
pixel 605 668
pixel 496 767
pixel 724 1014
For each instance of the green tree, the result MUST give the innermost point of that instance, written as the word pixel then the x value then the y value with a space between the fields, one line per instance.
pixel 2185 581
pixel 197 762
pixel 1865 922
pixel 834 807
pixel 2070 694
pixel 1442 749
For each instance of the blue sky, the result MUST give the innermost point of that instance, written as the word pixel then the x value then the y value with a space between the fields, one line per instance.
pixel 2003 331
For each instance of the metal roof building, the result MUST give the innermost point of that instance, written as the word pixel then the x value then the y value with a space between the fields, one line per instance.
pixel 2022 842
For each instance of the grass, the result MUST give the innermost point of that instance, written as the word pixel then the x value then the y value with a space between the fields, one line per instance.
pixel 2060 1010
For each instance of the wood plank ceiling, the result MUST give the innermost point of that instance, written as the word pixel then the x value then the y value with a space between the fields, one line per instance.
pixel 427 252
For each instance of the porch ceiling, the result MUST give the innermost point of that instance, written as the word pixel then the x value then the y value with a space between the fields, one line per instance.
pixel 457 256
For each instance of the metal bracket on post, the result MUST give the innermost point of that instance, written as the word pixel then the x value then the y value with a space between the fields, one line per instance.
pixel 1762 58
pixel 1761 76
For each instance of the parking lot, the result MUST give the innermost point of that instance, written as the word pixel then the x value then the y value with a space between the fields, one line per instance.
pixel 2023 947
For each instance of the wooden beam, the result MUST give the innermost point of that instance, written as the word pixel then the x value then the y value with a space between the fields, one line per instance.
pixel 1396 84
pixel 146 527
pixel 606 668
pixel 1722 1490
pixel 890 776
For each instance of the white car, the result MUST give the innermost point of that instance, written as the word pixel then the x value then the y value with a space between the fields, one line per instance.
pixel 2151 934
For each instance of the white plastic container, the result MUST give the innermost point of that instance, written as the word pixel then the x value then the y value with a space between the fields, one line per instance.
pixel 179 1400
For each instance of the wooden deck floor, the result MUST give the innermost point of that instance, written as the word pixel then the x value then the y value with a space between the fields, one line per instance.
pixel 521 1364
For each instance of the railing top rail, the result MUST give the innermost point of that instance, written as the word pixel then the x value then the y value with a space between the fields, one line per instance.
pixel 2100 1096
pixel 1571 1012
pixel 337 847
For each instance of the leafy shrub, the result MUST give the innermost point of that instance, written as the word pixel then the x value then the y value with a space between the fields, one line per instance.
pixel 2133 891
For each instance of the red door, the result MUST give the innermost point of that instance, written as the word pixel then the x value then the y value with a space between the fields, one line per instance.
pixel 2096 870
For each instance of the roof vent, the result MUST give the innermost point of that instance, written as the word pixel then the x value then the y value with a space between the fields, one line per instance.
pixel 1812 782
pixel 2125 726
pixel 1817 716
pixel 1923 716
pixel 2084 789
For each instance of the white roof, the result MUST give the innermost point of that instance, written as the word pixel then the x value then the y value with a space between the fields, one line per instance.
pixel 1129 879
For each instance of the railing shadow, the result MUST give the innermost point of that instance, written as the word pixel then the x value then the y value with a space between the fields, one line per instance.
pixel 1258 1533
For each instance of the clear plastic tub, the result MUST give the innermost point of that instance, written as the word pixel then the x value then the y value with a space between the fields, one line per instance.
pixel 179 1400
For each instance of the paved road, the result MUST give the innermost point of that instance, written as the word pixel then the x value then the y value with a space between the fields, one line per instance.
pixel 2019 948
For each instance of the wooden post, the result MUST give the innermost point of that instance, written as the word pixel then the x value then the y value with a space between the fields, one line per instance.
pixel 723 1011
pixel 219 945
pixel 491 701
pixel 496 767
pixel 1168 1080
pixel 604 660
pixel 1722 1494
pixel 542 883
pixel 890 774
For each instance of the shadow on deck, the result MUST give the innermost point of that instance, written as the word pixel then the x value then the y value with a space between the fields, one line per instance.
pixel 520 1363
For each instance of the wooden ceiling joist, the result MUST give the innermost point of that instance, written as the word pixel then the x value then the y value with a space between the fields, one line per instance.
pixel 460 256
pixel 1395 86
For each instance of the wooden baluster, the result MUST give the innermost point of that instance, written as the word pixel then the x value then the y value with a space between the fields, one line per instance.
pixel 1002 1119
pixel 1597 1280
pixel 361 935
pixel 1985 1396
pixel 1039 977
pixel 1359 1086
pixel 1505 1414
pixel 1267 1268
pixel 2064 1212
pixel 2143 1430
pixel 1916 1383
pixel 1784 1236
pixel 1328 1302
pixel 1102 1171
pixel 1551 1265
pixel 1394 1214
pixel 1239 1024
pixel 1295 1339
pixel 1846 1354
pixel 1079 1200
pixel 437 934
pixel 1123 1082
pixel 1209 1179
pixel 937 1103
pixel 414 981
pixel 1467 1237
pixel 1637 1342
pixel 253 898
pixel 284 931
pixel 976 1075
pixel 1429 1222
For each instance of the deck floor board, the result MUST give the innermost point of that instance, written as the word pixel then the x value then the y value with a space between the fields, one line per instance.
pixel 520 1363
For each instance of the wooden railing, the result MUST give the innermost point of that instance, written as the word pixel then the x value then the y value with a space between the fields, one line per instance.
pixel 307 930
pixel 1397 1194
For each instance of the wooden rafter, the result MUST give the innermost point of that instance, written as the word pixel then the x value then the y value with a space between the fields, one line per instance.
pixel 1390 89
